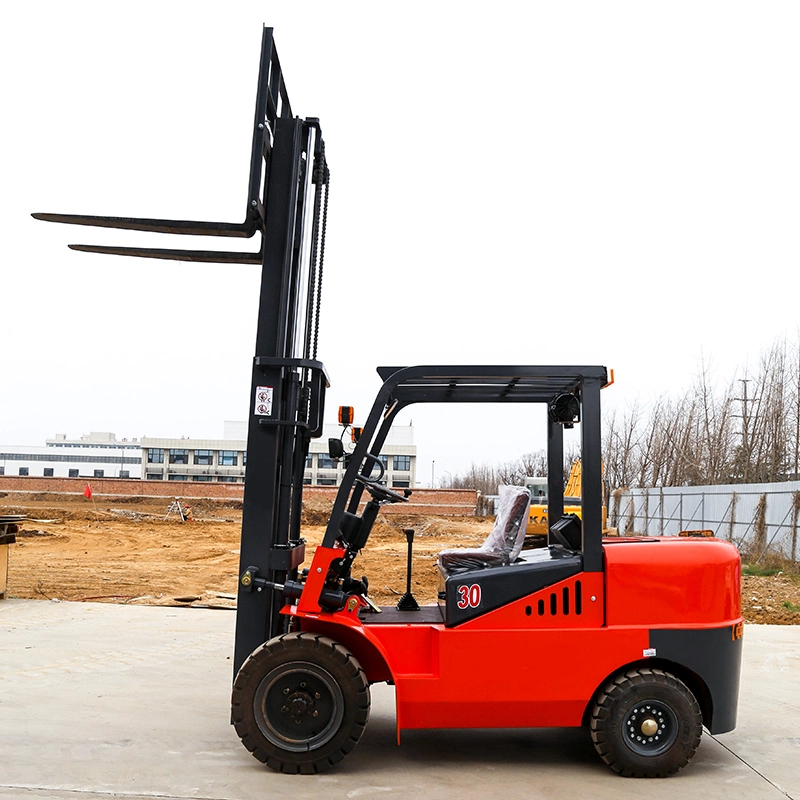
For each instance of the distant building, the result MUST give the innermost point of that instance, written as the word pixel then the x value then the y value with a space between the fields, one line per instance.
pixel 94 455
pixel 399 458
pixel 217 460
pixel 101 455
pixel 225 460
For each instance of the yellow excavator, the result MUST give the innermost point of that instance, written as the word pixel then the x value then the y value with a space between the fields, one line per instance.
pixel 537 520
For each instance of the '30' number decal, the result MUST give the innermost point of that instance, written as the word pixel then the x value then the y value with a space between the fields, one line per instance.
pixel 469 596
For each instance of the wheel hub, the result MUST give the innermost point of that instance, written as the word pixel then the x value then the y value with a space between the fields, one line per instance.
pixel 298 706
pixel 650 728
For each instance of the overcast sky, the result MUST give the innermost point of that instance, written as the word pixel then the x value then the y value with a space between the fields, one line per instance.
pixel 583 182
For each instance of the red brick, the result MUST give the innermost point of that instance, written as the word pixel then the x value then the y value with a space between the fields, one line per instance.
pixel 445 502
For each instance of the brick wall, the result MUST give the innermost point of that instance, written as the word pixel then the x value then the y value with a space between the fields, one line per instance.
pixel 122 487
pixel 447 502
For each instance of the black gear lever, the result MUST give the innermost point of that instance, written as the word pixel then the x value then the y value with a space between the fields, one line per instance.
pixel 407 602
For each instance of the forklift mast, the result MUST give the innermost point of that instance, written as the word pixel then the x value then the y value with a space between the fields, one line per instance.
pixel 287 197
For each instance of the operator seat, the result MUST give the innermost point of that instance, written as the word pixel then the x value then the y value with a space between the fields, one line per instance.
pixel 503 544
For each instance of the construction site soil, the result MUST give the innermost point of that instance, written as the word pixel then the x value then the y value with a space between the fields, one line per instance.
pixel 130 550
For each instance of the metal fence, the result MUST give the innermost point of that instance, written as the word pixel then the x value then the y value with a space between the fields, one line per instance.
pixel 760 519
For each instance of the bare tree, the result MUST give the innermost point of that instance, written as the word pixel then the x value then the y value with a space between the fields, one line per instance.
pixel 621 444
pixel 486 478
pixel 511 473
pixel 766 431
pixel 793 415
pixel 716 429
pixel 480 477
pixel 747 431
pixel 535 464
pixel 744 431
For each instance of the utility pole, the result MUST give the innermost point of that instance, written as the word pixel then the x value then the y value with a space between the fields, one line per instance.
pixel 746 433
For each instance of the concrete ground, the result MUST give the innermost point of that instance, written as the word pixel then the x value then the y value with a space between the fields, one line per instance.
pixel 100 701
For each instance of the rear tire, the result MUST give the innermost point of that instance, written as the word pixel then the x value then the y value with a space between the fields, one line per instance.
pixel 646 723
pixel 300 703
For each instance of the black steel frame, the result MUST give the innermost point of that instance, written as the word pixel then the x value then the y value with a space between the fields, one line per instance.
pixel 286 193
pixel 491 384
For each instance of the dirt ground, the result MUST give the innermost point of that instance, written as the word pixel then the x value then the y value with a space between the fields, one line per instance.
pixel 126 550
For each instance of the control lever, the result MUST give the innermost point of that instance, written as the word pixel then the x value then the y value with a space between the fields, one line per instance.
pixel 408 602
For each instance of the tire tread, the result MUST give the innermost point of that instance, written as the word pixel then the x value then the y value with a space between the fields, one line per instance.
pixel 608 742
pixel 247 679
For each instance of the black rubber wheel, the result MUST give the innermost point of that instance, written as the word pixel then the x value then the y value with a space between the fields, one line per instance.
pixel 646 724
pixel 300 703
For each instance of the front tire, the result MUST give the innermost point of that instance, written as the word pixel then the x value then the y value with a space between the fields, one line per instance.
pixel 646 723
pixel 300 703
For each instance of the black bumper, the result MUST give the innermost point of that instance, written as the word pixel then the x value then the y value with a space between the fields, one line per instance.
pixel 715 657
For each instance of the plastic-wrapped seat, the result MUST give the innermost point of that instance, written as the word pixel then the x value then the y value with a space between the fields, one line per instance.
pixel 503 544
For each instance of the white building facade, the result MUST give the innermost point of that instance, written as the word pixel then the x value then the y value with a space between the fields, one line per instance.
pixel 198 460
pixel 398 456
pixel 101 455
pixel 225 460
pixel 94 455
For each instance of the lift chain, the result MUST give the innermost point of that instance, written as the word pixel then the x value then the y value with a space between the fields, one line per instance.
pixel 325 181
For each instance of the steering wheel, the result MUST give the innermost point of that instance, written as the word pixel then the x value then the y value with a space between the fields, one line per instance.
pixel 380 492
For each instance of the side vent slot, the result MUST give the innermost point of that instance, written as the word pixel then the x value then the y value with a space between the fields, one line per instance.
pixel 569 604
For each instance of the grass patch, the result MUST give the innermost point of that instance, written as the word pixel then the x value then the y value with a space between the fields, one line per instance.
pixel 794 607
pixel 760 570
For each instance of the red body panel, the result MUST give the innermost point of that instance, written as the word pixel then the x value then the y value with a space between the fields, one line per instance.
pixel 671 581
pixel 543 679
pixel 323 557
pixel 516 667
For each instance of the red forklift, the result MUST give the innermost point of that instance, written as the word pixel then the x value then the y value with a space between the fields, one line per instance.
pixel 637 639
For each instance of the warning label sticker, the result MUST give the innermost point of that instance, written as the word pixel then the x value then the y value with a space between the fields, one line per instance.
pixel 263 401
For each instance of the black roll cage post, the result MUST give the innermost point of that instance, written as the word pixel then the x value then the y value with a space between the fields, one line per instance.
pixel 404 386
pixel 286 202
